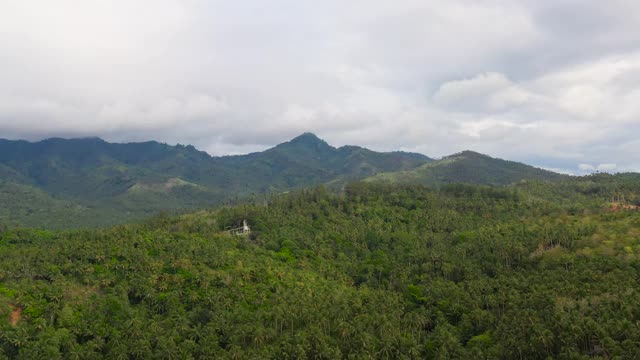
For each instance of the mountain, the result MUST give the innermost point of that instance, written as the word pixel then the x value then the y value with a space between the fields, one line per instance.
pixel 307 160
pixel 468 167
pixel 90 182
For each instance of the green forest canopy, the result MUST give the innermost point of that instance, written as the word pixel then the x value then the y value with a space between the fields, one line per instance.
pixel 535 270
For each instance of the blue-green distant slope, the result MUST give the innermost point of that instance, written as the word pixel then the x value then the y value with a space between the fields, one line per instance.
pixel 468 167
pixel 123 182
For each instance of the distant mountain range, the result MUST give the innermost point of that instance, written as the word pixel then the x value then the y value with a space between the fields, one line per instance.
pixel 78 182
pixel 90 182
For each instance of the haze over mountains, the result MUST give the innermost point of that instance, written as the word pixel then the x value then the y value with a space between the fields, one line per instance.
pixel 87 182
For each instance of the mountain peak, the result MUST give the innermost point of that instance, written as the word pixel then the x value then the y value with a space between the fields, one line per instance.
pixel 467 154
pixel 303 145
pixel 308 140
pixel 307 137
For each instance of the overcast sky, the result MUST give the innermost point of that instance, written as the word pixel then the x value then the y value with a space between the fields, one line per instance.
pixel 551 83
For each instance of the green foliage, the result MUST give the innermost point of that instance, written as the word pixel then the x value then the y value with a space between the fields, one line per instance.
pixel 383 271
pixel 58 183
pixel 468 167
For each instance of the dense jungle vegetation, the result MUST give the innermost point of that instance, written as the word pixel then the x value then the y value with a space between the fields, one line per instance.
pixel 535 270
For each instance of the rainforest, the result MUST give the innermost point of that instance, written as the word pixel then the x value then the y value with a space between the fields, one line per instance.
pixel 533 270
pixel 414 179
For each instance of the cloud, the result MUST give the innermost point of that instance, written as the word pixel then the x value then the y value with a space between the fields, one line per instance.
pixel 561 170
pixel 579 112
pixel 486 92
pixel 607 167
pixel 553 84
pixel 586 167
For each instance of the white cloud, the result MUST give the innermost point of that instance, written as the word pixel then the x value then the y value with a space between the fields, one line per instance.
pixel 588 168
pixel 607 167
pixel 475 89
pixel 556 83
pixel 561 170
pixel 487 92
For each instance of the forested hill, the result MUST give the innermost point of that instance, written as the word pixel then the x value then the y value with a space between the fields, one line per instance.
pixel 471 168
pixel 537 270
pixel 89 182
pixel 67 183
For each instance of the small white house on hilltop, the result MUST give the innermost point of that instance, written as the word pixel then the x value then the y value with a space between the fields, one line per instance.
pixel 241 231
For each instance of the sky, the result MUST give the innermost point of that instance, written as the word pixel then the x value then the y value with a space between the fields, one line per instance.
pixel 555 84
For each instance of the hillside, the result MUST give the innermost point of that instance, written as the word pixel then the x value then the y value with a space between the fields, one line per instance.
pixel 90 182
pixel 68 183
pixel 534 271
pixel 468 167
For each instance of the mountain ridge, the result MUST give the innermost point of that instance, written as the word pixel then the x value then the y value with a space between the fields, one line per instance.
pixel 97 175
pixel 91 182
pixel 468 167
